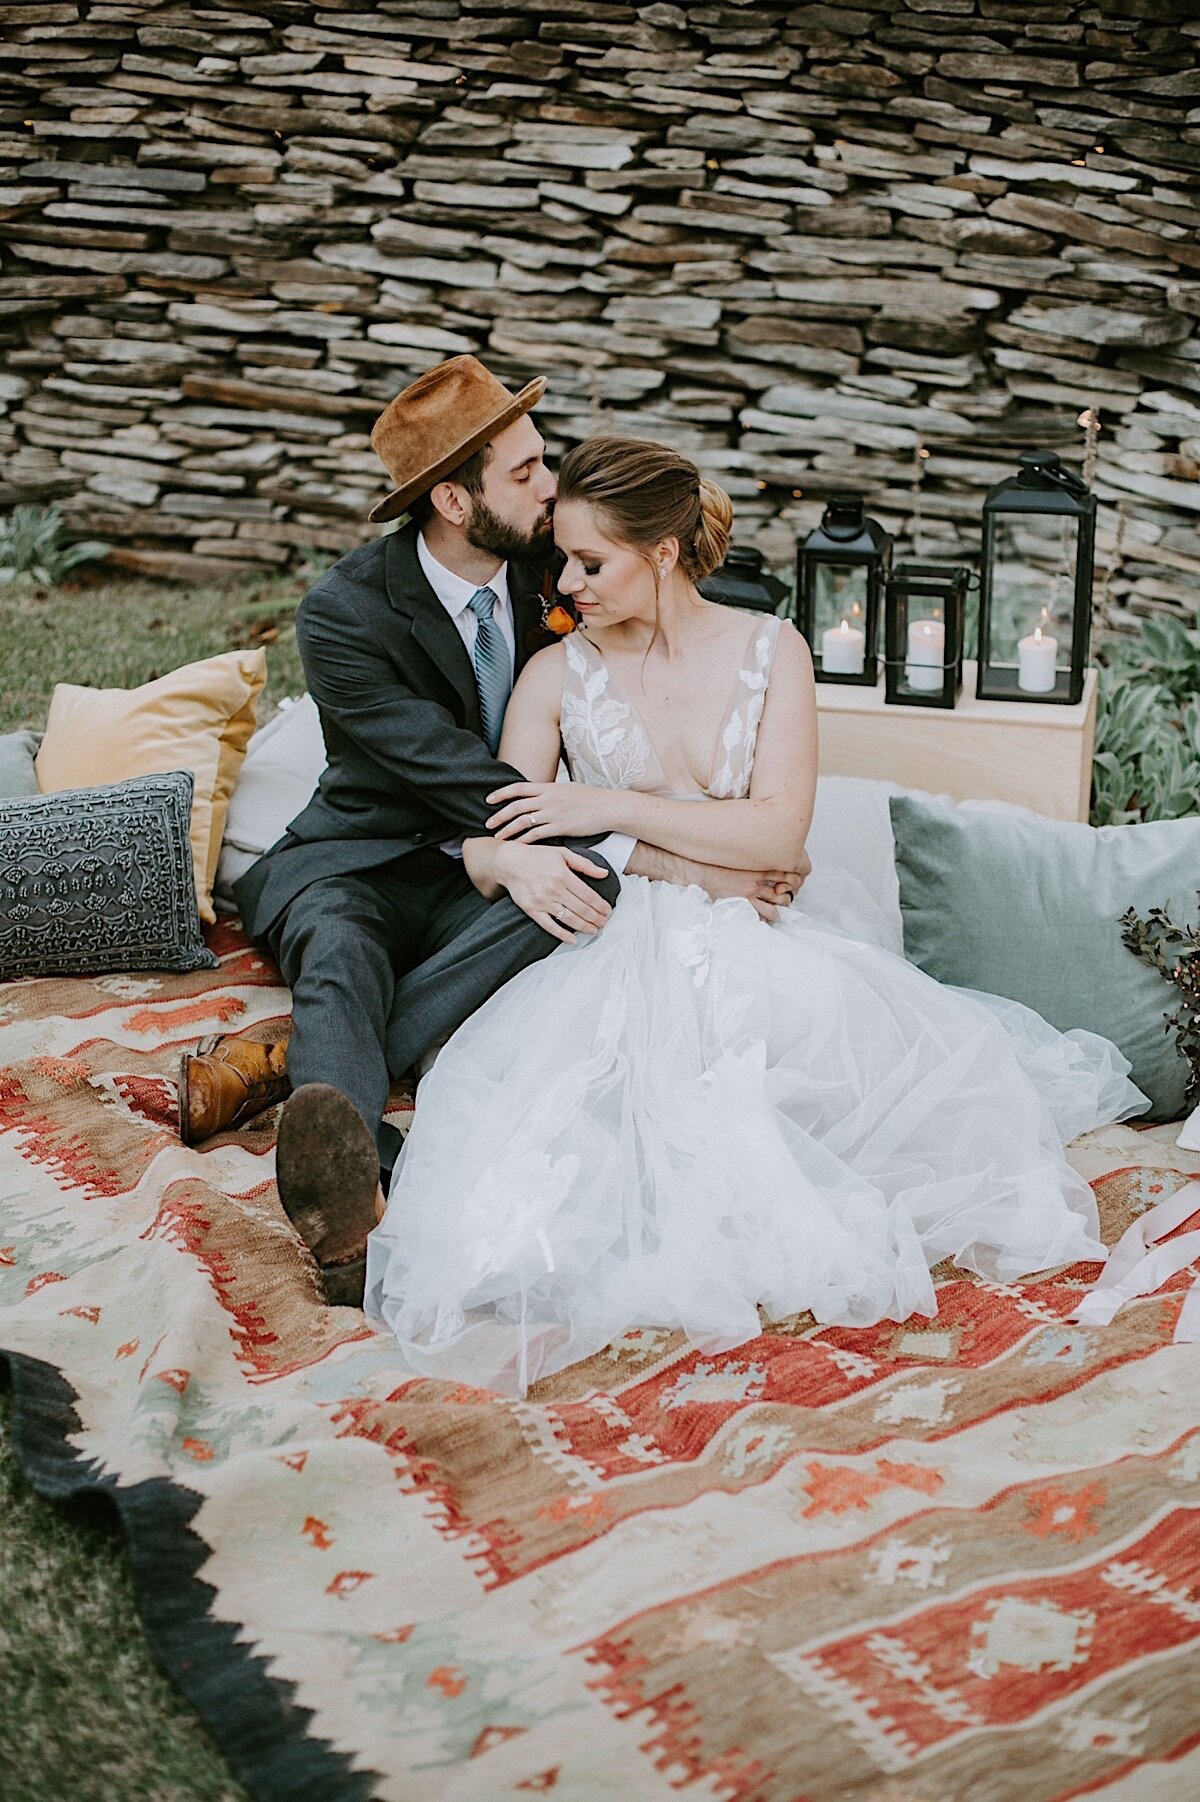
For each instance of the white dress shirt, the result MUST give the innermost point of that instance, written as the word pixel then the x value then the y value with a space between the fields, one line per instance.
pixel 455 592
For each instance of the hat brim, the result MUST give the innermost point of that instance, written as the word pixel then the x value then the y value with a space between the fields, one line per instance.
pixel 397 502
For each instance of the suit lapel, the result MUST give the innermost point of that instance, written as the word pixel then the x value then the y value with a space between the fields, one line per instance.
pixel 525 594
pixel 432 627
pixel 437 634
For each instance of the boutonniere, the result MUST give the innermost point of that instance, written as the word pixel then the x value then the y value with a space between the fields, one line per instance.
pixel 559 621
pixel 557 617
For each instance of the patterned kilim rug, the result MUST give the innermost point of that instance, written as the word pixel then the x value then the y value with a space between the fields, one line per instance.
pixel 956 1559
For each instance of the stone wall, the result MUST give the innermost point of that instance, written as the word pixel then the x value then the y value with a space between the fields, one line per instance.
pixel 806 243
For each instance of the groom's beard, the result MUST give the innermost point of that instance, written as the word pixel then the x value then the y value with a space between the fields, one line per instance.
pixel 488 532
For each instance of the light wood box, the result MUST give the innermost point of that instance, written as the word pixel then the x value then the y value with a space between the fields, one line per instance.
pixel 1039 756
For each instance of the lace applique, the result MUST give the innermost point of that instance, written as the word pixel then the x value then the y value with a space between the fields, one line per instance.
pixel 604 740
pixel 608 747
pixel 734 763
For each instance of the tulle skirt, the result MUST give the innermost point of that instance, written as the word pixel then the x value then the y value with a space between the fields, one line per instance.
pixel 695 1114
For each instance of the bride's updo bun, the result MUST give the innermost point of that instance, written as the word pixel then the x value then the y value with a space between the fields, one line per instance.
pixel 712 529
pixel 648 492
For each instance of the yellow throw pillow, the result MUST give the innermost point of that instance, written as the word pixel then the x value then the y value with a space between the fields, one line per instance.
pixel 197 718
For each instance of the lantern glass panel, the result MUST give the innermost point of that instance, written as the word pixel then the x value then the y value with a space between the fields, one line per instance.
pixel 839 593
pixel 1034 558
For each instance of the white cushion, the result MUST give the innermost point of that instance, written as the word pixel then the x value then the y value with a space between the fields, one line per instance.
pixel 283 765
pixel 853 853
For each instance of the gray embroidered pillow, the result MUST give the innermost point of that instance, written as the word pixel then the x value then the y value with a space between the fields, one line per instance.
pixel 95 879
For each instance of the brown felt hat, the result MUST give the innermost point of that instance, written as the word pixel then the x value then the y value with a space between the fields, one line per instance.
pixel 438 422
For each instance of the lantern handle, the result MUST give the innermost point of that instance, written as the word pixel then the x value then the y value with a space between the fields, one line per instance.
pixel 1066 478
pixel 1049 466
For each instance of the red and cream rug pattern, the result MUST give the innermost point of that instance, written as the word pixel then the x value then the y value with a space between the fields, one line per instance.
pixel 956 1558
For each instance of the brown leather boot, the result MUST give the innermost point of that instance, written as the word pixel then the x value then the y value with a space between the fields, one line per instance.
pixel 327 1168
pixel 225 1082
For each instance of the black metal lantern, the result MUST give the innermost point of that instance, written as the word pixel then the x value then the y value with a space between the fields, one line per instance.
pixel 742 581
pixel 924 612
pixel 841 571
pixel 1035 585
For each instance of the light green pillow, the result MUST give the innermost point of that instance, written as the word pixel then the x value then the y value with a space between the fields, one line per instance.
pixel 1027 907
pixel 17 774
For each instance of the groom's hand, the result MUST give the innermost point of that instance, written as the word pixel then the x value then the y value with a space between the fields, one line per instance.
pixel 547 884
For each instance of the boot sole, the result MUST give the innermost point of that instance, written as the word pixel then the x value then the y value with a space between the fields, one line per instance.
pixel 327 1169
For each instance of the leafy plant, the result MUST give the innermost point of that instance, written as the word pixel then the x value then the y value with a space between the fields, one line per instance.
pixel 1147 753
pixel 1174 951
pixel 32 547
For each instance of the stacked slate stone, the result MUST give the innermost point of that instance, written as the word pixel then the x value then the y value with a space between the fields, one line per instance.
pixel 805 243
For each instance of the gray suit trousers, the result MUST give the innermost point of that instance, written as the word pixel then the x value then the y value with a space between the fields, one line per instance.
pixel 384 964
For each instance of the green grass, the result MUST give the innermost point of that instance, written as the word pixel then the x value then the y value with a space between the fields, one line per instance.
pixel 86 1713
pixel 117 634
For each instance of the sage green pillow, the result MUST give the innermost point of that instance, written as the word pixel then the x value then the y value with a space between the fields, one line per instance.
pixel 17 773
pixel 1026 907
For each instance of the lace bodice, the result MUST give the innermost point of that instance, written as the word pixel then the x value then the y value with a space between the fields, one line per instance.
pixel 607 745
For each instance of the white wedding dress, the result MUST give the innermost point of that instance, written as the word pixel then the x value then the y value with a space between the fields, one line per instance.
pixel 693 1114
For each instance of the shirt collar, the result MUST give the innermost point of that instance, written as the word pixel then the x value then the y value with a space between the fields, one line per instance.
pixel 454 591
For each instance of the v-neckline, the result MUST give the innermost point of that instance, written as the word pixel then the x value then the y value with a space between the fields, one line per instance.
pixel 730 708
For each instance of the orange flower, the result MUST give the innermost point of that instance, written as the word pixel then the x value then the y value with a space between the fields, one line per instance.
pixel 559 621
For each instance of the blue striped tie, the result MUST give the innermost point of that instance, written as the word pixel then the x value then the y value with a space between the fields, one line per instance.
pixel 493 667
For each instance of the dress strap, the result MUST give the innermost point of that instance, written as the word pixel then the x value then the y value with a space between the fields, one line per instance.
pixel 733 764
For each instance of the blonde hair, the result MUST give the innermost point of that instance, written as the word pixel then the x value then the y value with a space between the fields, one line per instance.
pixel 647 493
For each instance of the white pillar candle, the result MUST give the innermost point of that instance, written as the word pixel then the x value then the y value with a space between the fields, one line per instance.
pixel 843 650
pixel 1037 663
pixel 923 668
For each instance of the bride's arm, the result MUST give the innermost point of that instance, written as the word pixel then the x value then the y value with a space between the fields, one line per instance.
pixel 531 740
pixel 532 743
pixel 765 831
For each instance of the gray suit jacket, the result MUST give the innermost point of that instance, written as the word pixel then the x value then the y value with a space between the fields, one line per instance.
pixel 399 707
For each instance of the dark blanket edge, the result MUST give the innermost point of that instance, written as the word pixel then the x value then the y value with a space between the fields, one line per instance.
pixel 261 1730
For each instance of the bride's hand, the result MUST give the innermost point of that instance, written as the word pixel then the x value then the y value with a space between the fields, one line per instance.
pixel 530 811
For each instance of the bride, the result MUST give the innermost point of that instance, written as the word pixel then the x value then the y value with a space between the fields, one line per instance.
pixel 696 1113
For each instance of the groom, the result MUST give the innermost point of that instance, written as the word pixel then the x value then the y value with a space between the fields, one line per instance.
pixel 410 646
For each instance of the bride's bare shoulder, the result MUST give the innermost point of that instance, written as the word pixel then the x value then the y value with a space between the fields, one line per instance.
pixel 791 645
pixel 544 671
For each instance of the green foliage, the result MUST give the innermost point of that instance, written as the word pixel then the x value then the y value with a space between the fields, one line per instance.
pixel 32 548
pixel 1147 754
pixel 1174 951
